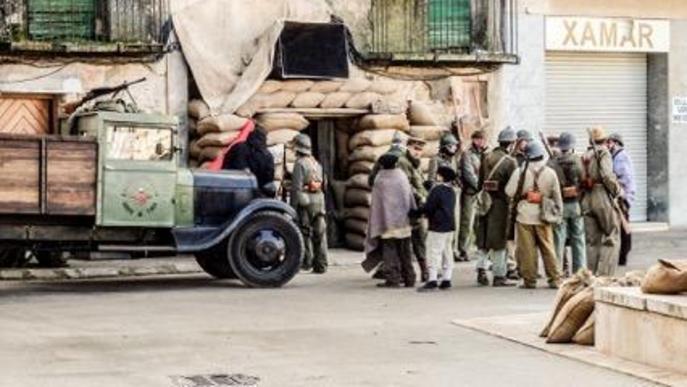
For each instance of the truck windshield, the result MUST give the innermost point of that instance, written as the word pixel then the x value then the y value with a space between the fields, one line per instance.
pixel 139 143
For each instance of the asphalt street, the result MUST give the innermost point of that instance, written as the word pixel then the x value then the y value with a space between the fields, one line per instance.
pixel 332 330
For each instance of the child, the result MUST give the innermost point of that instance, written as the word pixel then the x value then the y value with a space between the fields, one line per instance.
pixel 440 212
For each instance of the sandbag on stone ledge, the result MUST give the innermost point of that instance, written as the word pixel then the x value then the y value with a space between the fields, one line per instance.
pixel 665 278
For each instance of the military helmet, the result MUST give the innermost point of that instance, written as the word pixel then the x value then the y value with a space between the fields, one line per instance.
pixel 507 135
pixel 448 139
pixel 535 150
pixel 598 133
pixel 524 135
pixel 302 144
pixel 617 138
pixel 566 141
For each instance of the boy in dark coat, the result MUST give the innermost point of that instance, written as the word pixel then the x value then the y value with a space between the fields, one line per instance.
pixel 253 156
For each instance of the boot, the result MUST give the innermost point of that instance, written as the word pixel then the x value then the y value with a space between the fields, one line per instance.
pixel 379 274
pixel 424 274
pixel 513 275
pixel 482 278
pixel 430 286
pixel 445 285
pixel 500 282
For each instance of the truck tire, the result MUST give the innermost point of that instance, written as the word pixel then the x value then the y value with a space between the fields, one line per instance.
pixel 215 262
pixel 266 251
pixel 12 257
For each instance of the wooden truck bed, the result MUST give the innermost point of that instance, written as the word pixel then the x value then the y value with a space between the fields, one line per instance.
pixel 48 175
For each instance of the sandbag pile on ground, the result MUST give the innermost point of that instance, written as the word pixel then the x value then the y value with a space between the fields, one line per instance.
pixel 366 142
pixel 424 125
pixel 357 93
pixel 572 319
pixel 281 129
pixel 210 134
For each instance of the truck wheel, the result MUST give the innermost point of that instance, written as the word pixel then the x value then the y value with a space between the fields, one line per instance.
pixel 13 257
pixel 50 259
pixel 215 262
pixel 266 251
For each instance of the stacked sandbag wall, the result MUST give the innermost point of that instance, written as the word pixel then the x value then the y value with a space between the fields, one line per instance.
pixel 358 93
pixel 424 125
pixel 368 139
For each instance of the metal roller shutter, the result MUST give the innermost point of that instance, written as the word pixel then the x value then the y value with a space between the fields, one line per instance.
pixel 587 89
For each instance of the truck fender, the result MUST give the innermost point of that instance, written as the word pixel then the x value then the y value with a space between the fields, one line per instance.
pixel 195 239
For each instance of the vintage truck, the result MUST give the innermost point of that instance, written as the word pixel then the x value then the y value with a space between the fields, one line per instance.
pixel 112 183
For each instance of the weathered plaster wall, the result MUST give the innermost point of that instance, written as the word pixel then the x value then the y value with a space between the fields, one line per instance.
pixel 677 78
pixel 664 9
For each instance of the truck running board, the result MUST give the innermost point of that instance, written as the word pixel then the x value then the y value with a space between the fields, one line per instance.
pixel 155 249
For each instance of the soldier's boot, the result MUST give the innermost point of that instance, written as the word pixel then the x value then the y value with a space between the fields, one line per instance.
pixel 320 246
pixel 379 274
pixel 512 274
pixel 424 273
pixel 429 286
pixel 482 278
pixel 500 282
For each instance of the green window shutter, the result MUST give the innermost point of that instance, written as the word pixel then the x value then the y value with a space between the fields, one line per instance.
pixel 61 19
pixel 449 24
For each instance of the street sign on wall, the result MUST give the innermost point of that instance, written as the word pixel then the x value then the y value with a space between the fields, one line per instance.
pixel 607 34
pixel 680 110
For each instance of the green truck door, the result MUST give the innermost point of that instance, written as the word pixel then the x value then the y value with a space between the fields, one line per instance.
pixel 138 177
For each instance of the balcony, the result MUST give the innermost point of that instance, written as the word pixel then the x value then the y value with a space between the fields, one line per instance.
pixel 448 31
pixel 83 26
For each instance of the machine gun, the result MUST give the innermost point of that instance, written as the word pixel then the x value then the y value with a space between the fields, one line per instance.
pixel 597 154
pixel 102 91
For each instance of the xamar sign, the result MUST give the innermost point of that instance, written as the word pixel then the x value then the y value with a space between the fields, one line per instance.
pixel 607 34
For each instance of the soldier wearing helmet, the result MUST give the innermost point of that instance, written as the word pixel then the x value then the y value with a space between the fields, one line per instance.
pixel 469 172
pixel 536 193
pixel 524 138
pixel 492 222
pixel 449 156
pixel 307 198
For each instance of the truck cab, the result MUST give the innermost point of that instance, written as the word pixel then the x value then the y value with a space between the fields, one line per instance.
pixel 122 190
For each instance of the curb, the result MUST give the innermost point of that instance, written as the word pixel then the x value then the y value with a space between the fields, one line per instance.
pixel 97 272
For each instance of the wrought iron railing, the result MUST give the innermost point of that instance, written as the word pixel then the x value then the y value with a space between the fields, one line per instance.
pixel 83 21
pixel 410 30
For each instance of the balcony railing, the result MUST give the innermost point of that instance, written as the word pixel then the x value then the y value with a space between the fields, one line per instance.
pixel 444 30
pixel 83 25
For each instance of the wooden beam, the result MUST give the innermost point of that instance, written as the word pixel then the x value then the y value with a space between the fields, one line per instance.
pixel 316 113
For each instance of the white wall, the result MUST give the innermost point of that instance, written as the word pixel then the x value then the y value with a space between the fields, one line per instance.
pixel 677 80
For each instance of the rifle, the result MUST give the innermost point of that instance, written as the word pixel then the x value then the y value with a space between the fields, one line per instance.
pixel 545 142
pixel 513 210
pixel 99 92
pixel 597 154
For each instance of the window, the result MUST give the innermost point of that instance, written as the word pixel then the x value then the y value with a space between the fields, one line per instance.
pixel 139 143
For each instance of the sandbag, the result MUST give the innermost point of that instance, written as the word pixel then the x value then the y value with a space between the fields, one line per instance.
pixel 290 155
pixel 192 125
pixel 194 150
pixel 362 100
pixel 221 123
pixel 307 99
pixel 277 121
pixel 361 167
pixel 431 149
pixel 376 137
pixel 198 109
pixel 270 86
pixel 428 133
pixel 335 100
pixel 383 87
pixel 357 197
pixel 665 278
pixel 278 152
pixel 218 139
pixel 585 335
pixel 420 114
pixel 357 85
pixel 326 87
pixel 356 225
pixel 367 153
pixel 572 316
pixel 386 106
pixel 362 213
pixel 355 242
pixel 280 99
pixel 566 291
pixel 281 136
pixel 210 153
pixel 296 85
pixel 248 109
pixel 358 181
pixel 384 121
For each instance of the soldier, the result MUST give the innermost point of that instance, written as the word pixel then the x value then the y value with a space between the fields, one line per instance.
pixel 568 167
pixel 307 198
pixel 524 138
pixel 449 156
pixel 469 170
pixel 624 170
pixel 601 220
pixel 531 187
pixel 491 228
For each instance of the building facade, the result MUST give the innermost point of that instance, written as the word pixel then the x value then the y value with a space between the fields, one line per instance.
pixel 618 64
